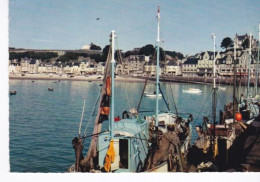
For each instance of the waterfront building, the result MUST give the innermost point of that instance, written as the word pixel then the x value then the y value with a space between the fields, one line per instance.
pixel 242 38
pixel 33 66
pixel 133 65
pixel 68 68
pixel 14 66
pixel 225 65
pixel 55 67
pixel 75 68
pixel 150 68
pixel 189 67
pixel 100 68
pixel 89 66
pixel 60 70
pixel 46 68
pixel 173 68
pixel 119 69
pixel 205 63
pixel 25 65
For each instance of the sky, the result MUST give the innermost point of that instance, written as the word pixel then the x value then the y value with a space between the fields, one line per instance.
pixel 186 25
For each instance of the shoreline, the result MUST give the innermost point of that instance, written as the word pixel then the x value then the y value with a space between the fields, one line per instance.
pixel 176 79
pixel 67 78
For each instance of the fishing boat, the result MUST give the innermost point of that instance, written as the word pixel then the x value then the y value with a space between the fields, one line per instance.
pixel 214 148
pixel 192 91
pixel 120 146
pixel 128 144
pixel 249 106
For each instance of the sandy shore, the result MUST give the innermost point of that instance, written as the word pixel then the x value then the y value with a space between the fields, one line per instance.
pixel 75 78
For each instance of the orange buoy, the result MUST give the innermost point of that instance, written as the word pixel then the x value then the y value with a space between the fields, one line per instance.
pixel 238 116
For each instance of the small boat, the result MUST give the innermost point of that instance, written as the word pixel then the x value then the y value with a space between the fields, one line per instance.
pixel 13 92
pixel 89 81
pixel 192 91
pixel 54 82
pixel 50 89
pixel 58 80
pixel 147 94
pixel 222 88
pixel 32 80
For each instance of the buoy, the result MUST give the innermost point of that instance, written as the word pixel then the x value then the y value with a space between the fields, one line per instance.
pixel 238 116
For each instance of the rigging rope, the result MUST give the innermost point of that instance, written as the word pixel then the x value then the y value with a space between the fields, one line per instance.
pixel 174 103
pixel 164 97
pixel 82 114
pixel 90 117
pixel 201 109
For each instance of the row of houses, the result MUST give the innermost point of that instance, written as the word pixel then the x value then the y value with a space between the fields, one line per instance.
pixel 35 66
pixel 139 65
pixel 202 64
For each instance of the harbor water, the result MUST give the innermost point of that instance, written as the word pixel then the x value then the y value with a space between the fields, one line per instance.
pixel 43 123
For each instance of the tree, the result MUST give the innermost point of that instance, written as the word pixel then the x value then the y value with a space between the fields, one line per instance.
pixel 34 55
pixel 95 47
pixel 128 53
pixel 245 44
pixel 71 56
pixel 226 42
pixel 105 50
pixel 174 54
pixel 147 50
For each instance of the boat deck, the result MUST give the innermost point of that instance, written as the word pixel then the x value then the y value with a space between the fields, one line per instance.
pixel 253 145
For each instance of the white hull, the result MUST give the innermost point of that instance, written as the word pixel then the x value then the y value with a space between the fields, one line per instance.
pixel 152 95
pixel 222 88
pixel 192 91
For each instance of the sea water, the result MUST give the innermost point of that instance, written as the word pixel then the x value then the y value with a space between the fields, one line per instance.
pixel 43 123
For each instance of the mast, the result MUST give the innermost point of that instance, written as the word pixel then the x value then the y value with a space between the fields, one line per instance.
pixel 234 85
pixel 249 65
pixel 257 64
pixel 157 64
pixel 113 85
pixel 214 90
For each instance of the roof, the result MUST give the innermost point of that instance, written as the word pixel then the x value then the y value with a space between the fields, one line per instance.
pixel 241 37
pixel 171 63
pixel 211 53
pixel 33 61
pixel 56 64
pixel 191 61
pixel 69 64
